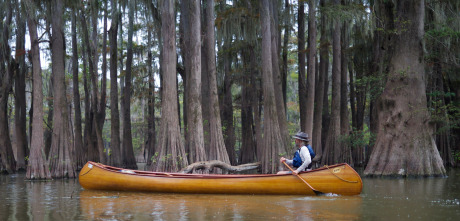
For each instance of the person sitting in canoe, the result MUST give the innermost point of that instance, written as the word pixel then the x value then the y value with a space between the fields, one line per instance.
pixel 302 157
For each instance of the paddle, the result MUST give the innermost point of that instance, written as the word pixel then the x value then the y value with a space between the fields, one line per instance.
pixel 314 190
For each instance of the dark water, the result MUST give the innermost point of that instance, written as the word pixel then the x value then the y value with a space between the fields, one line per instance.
pixel 381 199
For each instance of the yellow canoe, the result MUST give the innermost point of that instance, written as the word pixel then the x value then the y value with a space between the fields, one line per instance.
pixel 337 179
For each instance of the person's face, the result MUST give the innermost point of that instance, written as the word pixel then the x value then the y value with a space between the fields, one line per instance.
pixel 297 142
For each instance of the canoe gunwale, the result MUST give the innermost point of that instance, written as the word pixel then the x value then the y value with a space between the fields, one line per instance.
pixel 205 176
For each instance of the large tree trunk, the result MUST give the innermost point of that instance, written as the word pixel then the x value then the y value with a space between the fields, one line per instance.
pixel 320 136
pixel 344 113
pixel 20 90
pixel 151 140
pixel 184 29
pixel 382 49
pixel 90 152
pixel 7 67
pixel 194 111
pixel 171 156
pixel 149 149
pixel 129 161
pixel 217 149
pixel 80 156
pixel 405 145
pixel 277 81
pixel 205 90
pixel 248 145
pixel 121 78
pixel 49 87
pixel 287 35
pixel 98 108
pixel 319 97
pixel 273 140
pixel 95 147
pixel 301 57
pixel 115 157
pixel 49 122
pixel 60 159
pixel 332 150
pixel 311 67
pixel 227 107
pixel 101 112
pixel 38 166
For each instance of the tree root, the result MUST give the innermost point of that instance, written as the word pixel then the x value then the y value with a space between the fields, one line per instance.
pixel 208 167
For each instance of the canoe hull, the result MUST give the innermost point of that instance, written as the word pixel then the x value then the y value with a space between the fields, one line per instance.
pixel 338 179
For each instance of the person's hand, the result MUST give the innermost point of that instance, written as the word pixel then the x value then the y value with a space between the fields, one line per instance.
pixel 295 172
pixel 282 159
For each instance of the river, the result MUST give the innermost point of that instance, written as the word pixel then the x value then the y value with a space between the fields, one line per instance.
pixel 381 199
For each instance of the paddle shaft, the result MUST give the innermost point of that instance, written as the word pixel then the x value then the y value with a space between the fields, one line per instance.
pixel 314 190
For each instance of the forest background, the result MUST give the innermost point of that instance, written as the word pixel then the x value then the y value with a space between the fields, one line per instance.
pixel 375 84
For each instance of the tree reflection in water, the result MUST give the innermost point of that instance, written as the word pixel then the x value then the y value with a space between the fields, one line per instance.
pixel 102 205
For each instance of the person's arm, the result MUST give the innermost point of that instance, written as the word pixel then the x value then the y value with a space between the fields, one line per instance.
pixel 288 161
pixel 305 155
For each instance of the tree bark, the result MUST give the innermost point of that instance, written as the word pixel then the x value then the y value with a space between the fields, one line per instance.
pixel 150 139
pixel 129 161
pixel 115 156
pixel 287 35
pixel 382 49
pixel 277 80
pixel 301 57
pixel 60 159
pixel 22 149
pixel 171 155
pixel 184 30
pixel 80 156
pixel 90 152
pixel 194 109
pixel 311 67
pixel 319 97
pixel 101 113
pixel 217 150
pixel 332 151
pixel 38 167
pixel 227 107
pixel 324 70
pixel 272 140
pixel 7 67
pixel 248 145
pixel 98 102
pixel 404 145
pixel 95 146
pixel 344 113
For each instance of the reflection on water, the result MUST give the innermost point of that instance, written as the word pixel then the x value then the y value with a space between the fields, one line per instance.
pixel 102 205
pixel 382 199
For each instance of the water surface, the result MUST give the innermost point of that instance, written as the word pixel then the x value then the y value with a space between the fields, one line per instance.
pixel 381 199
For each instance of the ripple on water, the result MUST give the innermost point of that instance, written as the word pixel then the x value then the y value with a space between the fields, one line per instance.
pixel 446 202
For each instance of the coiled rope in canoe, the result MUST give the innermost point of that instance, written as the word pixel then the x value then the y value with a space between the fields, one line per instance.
pixel 348 181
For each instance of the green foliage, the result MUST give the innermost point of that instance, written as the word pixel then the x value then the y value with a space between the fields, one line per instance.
pixel 350 11
pixel 444 114
pixel 456 154
pixel 359 138
pixel 154 157
pixel 443 32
